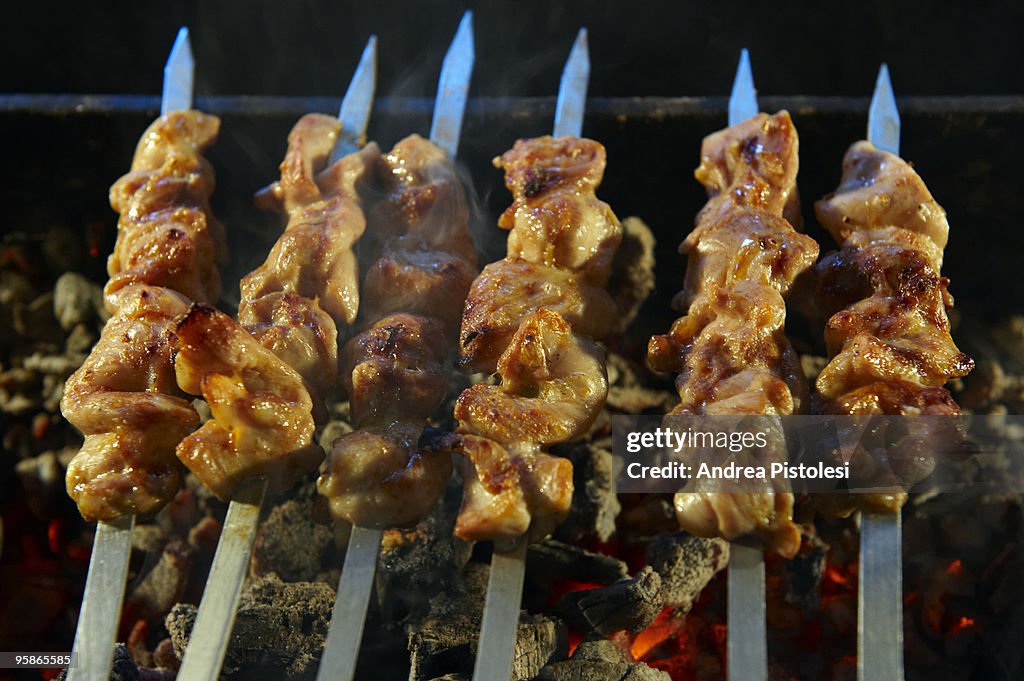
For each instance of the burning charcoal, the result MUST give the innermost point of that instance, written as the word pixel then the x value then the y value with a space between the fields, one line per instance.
pixel 554 559
pixel 56 365
pixel 600 660
pixel 162 586
pixel 445 641
pixel 295 539
pixel 279 632
pixel 594 504
pixel 685 564
pixel 632 277
pixel 76 300
pixel 630 605
pixel 421 561
pixel 803 573
pixel 444 645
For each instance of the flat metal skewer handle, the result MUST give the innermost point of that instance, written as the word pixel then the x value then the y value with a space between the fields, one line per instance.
pixel 208 641
pixel 101 603
pixel 341 650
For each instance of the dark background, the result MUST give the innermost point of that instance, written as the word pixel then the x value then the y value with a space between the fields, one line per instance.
pixel 956 69
pixel 640 47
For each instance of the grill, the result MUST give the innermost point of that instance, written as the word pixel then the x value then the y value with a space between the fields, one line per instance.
pixel 965 147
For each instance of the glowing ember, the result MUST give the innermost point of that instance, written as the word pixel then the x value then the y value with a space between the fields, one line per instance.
pixel 663 628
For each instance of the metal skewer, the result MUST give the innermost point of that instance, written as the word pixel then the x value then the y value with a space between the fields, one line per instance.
pixel 496 648
pixel 880 593
pixel 747 649
pixel 100 614
pixel 211 633
pixel 341 649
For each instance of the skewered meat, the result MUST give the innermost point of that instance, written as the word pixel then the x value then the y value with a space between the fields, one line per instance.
pixel 309 283
pixel 888 337
pixel 166 235
pixel 126 402
pixel 529 318
pixel 395 371
pixel 291 305
pixel 262 421
pixel 730 349
pixel 124 398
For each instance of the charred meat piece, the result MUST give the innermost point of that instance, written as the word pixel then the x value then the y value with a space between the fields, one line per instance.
pixel 396 371
pixel 888 336
pixel 730 349
pixel 530 317
pixel 124 398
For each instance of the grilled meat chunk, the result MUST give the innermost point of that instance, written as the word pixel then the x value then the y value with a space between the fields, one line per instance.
pixel 166 235
pixel 262 421
pixel 125 401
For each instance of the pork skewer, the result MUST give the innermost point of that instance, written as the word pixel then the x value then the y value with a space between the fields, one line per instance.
pixel 890 350
pixel 507 314
pixel 126 466
pixel 289 358
pixel 730 349
pixel 400 283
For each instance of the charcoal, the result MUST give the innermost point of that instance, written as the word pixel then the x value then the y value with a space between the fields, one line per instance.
pixel 685 564
pixel 630 605
pixel 163 586
pixel 424 560
pixel 37 321
pixel 124 668
pixel 632 277
pixel 296 538
pixel 554 559
pixel 279 632
pixel 600 660
pixel 42 477
pixel 594 504
pixel 149 537
pixel 163 655
pixel 445 641
pixel 804 571
pixel 444 645
pixel 76 300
